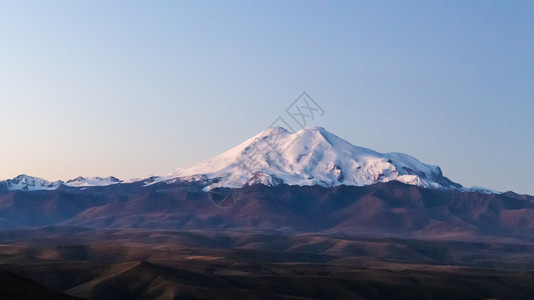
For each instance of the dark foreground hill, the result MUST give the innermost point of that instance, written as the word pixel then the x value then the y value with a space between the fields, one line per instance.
pixel 13 286
pixel 164 264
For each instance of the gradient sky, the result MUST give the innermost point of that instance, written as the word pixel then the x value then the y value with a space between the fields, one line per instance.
pixel 135 88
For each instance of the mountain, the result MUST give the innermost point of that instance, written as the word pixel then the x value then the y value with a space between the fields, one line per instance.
pixel 313 217
pixel 92 181
pixel 312 156
pixel 30 183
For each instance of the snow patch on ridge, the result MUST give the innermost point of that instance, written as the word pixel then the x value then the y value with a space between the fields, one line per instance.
pixel 92 181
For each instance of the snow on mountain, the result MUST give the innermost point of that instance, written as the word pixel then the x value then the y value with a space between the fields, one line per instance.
pixel 312 156
pixel 29 183
pixel 92 181
pixel 481 190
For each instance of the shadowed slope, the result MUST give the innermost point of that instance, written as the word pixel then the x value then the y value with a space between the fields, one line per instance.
pixel 13 286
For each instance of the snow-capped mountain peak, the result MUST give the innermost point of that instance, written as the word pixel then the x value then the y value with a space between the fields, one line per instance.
pixel 30 183
pixel 92 181
pixel 312 156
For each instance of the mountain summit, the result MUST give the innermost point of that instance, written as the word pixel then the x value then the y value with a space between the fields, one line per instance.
pixel 311 156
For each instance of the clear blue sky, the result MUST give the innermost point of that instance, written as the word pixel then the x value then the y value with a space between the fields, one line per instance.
pixel 133 88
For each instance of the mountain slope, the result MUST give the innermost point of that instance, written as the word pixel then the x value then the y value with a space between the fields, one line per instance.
pixel 312 156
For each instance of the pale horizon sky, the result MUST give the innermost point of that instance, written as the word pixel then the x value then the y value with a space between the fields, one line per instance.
pixel 138 88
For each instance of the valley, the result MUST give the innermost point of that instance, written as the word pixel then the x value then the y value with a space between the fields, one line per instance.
pixel 202 264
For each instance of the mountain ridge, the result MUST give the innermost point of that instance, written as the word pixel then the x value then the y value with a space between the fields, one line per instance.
pixel 311 156
pixel 25 182
pixel 383 209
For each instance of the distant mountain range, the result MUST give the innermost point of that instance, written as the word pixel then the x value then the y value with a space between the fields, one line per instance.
pixel 29 183
pixel 312 156
pixel 382 209
pixel 310 180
